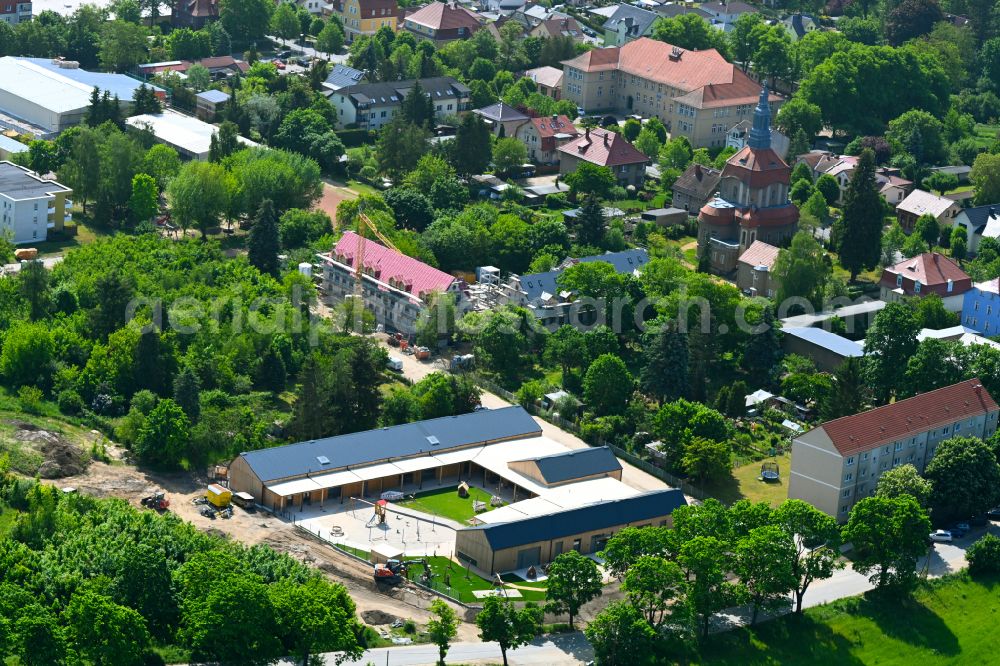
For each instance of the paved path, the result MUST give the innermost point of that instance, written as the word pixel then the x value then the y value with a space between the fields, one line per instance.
pixel 559 650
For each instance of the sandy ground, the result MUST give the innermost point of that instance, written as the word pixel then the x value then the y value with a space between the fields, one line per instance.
pixel 124 481
pixel 331 198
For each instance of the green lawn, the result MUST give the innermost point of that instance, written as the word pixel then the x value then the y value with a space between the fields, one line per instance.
pixel 446 503
pixel 948 621
pixel 985 135
pixel 463 585
pixel 743 483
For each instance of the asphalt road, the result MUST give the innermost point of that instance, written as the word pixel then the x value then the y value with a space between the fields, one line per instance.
pixel 561 650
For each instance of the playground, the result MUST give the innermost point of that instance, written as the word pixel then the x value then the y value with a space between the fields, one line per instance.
pixel 447 503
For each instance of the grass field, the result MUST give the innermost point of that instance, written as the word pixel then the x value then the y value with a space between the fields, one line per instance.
pixel 985 135
pixel 743 484
pixel 462 587
pixel 948 621
pixel 446 503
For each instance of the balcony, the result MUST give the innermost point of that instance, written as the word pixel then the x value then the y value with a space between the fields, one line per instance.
pixel 69 203
pixel 52 210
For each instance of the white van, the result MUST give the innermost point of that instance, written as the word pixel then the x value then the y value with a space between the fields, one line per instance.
pixel 395 364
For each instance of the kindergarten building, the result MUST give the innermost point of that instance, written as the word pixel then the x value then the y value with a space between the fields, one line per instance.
pixel 557 499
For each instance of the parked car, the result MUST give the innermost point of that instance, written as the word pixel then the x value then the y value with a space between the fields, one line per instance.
pixel 940 536
pixel 279 64
pixel 284 55
pixel 304 61
pixel 959 530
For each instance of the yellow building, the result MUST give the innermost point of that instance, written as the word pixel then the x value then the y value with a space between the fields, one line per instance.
pixel 365 17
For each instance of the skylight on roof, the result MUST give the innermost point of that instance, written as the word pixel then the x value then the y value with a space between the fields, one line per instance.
pixel 433 440
pixel 323 460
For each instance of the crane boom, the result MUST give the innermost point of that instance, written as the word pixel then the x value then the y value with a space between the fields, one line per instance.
pixel 365 224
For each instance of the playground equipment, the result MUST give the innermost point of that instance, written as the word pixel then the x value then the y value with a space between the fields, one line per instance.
pixel 379 517
pixel 769 472
pixel 463 490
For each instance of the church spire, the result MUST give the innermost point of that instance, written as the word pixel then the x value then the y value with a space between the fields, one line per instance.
pixel 760 133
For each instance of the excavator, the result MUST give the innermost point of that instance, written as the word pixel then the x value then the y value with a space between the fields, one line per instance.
pixel 393 571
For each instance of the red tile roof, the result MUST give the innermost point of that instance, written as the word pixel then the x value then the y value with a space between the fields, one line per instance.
pixel 654 60
pixel 760 254
pixel 927 411
pixel 604 148
pixel 444 16
pixel 547 126
pixel 405 272
pixel 932 270
pixel 757 167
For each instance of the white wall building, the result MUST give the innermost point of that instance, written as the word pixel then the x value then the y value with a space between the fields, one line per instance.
pixel 188 136
pixel 29 205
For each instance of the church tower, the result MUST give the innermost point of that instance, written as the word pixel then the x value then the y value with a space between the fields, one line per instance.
pixel 752 203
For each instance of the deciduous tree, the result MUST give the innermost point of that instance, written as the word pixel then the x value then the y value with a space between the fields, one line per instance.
pixel 904 480
pixel 573 580
pixel 888 534
pixel 816 537
pixel 509 627
pixel 442 628
pixel 965 479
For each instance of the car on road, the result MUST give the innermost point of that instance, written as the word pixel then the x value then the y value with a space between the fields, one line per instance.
pixel 940 536
pixel 284 55
pixel 993 514
pixel 279 64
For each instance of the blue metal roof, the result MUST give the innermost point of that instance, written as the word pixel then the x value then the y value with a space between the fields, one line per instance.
pixel 402 441
pixel 116 84
pixel 630 510
pixel 830 341
pixel 625 261
pixel 577 464
pixel 11 145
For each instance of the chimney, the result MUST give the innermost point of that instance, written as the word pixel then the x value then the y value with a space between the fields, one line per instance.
pixel 588 135
pixel 697 171
pixel 606 139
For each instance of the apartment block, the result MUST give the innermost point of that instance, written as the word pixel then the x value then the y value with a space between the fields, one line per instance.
pixel 30 206
pixel 839 462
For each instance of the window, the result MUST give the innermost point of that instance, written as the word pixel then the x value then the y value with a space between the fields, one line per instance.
pixel 899 280
pixel 958 426
pixel 916 287
pixel 848 477
pixel 895 461
pixel 899 446
pixel 847 493
pixel 850 461
pixel 844 508
pixel 864 456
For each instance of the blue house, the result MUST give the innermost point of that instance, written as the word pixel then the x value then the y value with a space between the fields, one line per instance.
pixel 981 309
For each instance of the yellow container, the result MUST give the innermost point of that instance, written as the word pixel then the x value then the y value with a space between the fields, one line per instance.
pixel 219 496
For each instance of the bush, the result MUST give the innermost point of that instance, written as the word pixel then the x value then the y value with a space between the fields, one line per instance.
pixel 557 200
pixel 352 138
pixel 70 402
pixel 30 399
pixel 984 556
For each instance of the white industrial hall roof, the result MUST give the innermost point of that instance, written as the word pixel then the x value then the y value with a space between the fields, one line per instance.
pixel 186 134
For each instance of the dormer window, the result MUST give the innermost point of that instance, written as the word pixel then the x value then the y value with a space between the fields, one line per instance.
pixel 916 287
pixel 899 280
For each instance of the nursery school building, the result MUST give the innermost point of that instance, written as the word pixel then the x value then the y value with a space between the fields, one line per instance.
pixel 555 498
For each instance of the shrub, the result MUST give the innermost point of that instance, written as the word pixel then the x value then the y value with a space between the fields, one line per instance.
pixel 557 200
pixel 30 399
pixel 70 402
pixel 984 556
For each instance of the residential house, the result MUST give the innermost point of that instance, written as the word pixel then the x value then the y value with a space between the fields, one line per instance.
pixel 219 67
pixel 695 187
pixel 825 349
pixel 675 9
pixel 531 15
pixel 928 273
pixel 607 149
pixel 755 270
pixel 838 463
pixel 30 206
pixel 740 134
pixel 893 187
pixel 548 80
pixel 558 27
pixel 504 7
pixel 981 308
pixel 753 201
pixel 314 7
pixel 628 23
pixel 372 105
pixel 919 202
pixel 442 22
pixel 342 76
pixel 799 25
pixel 13 12
pixel 543 136
pixel 696 94
pixel 365 17
pixel 724 14
pixel 194 14
pixel 396 288
pixel 10 146
pixel 502 118
pixel 208 103
pixel 979 222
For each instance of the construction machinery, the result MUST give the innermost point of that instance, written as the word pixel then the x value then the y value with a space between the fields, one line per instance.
pixel 157 501
pixel 365 225
pixel 393 571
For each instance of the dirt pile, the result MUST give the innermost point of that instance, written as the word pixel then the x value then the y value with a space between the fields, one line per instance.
pixel 377 617
pixel 60 457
